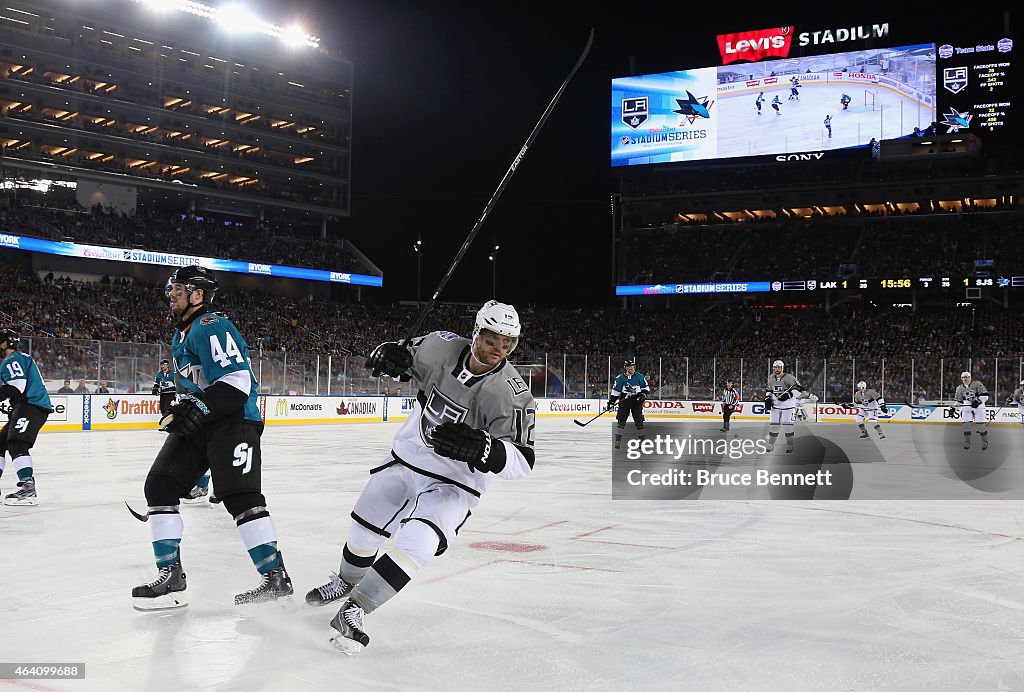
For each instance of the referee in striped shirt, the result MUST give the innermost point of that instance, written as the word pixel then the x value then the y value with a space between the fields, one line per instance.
pixel 729 398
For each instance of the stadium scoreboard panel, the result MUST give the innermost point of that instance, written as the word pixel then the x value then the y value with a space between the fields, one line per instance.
pixel 897 80
pixel 889 284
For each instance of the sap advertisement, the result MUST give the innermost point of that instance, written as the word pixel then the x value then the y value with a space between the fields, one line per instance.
pixel 812 103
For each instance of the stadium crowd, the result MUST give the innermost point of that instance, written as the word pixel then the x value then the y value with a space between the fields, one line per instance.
pixel 266 242
pixel 685 351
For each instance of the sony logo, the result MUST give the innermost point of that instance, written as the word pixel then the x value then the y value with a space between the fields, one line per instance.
pixel 800 157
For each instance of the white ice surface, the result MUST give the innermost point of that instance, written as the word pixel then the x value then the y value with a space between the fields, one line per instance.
pixel 615 595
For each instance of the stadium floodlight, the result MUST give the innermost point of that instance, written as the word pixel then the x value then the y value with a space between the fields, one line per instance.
pixel 294 36
pixel 235 18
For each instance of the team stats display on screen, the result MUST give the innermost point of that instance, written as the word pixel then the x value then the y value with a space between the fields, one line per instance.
pixel 976 83
pixel 810 103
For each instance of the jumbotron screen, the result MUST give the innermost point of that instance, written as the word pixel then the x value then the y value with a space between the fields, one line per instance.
pixel 811 103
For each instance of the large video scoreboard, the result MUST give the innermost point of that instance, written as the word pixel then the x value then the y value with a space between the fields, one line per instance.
pixel 794 89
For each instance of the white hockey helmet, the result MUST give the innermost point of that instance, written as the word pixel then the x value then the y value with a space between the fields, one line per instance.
pixel 1022 383
pixel 500 318
pixel 965 374
pixel 862 385
pixel 778 364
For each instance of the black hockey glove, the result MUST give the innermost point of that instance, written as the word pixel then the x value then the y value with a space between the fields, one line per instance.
pixel 951 411
pixel 156 390
pixel 785 396
pixel 612 401
pixel 975 403
pixel 9 391
pixel 390 358
pixel 885 409
pixel 768 402
pixel 186 416
pixel 641 397
pixel 474 447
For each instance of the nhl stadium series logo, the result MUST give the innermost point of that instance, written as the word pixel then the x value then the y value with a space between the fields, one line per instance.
pixel 954 79
pixel 1004 45
pixel 634 111
pixel 945 51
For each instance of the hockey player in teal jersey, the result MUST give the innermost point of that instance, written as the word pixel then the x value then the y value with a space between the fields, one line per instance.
pixel 163 386
pixel 629 392
pixel 214 426
pixel 29 407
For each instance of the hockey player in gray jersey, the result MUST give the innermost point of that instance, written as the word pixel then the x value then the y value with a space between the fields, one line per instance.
pixel 472 423
pixel 1017 398
pixel 972 395
pixel 782 397
pixel 869 403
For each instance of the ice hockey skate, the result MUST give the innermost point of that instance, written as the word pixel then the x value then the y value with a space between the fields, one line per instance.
pixel 196 496
pixel 334 590
pixel 348 635
pixel 25 496
pixel 275 584
pixel 165 592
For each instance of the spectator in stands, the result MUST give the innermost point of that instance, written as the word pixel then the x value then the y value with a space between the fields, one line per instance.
pixel 82 389
pixel 66 389
pixel 102 388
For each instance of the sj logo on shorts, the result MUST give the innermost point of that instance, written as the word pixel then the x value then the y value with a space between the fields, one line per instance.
pixel 438 409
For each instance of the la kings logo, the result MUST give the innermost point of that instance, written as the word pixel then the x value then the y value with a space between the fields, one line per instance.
pixel 438 409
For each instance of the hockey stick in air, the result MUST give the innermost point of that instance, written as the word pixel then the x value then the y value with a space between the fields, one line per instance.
pixel 497 193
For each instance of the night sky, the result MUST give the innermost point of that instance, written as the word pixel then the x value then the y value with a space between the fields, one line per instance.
pixel 444 98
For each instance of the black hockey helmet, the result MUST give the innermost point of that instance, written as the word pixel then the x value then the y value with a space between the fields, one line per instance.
pixel 629 363
pixel 193 277
pixel 11 337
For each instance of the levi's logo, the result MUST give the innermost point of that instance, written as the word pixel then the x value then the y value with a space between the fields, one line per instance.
pixel 755 45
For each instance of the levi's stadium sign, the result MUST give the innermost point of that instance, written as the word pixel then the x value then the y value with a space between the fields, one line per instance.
pixel 755 45
pixel 760 44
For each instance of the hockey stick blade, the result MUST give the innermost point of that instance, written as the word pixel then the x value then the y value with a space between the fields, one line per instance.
pixel 414 331
pixel 141 517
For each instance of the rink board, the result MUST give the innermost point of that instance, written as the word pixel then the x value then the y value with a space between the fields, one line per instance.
pixel 137 411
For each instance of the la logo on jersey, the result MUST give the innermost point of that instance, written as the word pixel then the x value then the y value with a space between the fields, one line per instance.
pixel 438 409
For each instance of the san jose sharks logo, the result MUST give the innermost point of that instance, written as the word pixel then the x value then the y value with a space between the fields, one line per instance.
pixel 634 111
pixel 955 120
pixel 693 107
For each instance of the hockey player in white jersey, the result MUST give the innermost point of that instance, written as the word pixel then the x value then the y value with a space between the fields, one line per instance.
pixel 869 403
pixel 782 397
pixel 472 423
pixel 1017 398
pixel 971 396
